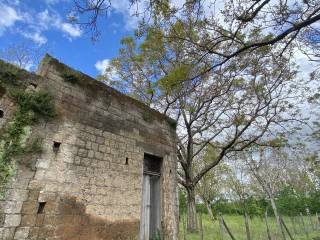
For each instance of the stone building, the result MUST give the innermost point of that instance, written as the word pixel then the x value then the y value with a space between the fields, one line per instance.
pixel 106 170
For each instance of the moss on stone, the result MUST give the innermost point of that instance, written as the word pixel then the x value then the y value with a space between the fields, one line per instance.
pixel 147 116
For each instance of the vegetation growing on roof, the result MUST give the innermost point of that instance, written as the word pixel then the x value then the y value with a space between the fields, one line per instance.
pixel 8 75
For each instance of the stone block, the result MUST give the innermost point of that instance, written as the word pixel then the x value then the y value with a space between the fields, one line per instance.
pixel 98 155
pixel 102 148
pixel 16 194
pixel 12 207
pixel 21 233
pixel 91 154
pixel 83 152
pixel 7 233
pixel 100 140
pixel 43 163
pixel 12 220
pixel 28 220
pixel 95 147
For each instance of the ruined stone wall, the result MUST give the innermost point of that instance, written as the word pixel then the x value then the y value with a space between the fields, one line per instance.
pixel 85 187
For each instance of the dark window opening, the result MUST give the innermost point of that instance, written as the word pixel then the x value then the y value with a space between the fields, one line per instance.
pixel 127 161
pixel 41 207
pixel 56 146
pixel 152 164
pixel 1 114
pixel 33 85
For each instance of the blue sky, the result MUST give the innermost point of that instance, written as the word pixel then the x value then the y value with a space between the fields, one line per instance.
pixel 44 23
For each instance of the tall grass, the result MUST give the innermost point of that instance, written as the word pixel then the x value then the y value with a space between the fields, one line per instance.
pixel 211 231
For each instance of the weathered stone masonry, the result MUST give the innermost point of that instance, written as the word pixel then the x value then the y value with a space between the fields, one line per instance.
pixel 87 182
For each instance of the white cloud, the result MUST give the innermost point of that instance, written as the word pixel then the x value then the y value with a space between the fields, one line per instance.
pixel 8 17
pixel 101 65
pixel 72 30
pixel 35 37
pixel 44 19
pixel 53 2
pixel 47 20
pixel 36 24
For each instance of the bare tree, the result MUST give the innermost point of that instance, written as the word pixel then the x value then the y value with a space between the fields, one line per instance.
pixel 23 55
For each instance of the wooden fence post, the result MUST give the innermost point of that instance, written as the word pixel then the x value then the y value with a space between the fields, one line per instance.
pixel 267 225
pixel 303 225
pixel 247 225
pixel 318 221
pixel 221 227
pixel 310 219
pixel 293 224
pixel 184 228
pixel 286 228
pixel 201 227
pixel 227 228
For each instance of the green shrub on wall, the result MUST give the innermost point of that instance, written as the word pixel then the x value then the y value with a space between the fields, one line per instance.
pixel 14 142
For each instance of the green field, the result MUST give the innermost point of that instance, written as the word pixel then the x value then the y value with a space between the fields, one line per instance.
pixel 257 227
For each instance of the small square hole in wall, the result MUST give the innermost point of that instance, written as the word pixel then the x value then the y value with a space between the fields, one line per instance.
pixel 33 85
pixel 41 207
pixel 56 146
pixel 127 161
pixel 1 113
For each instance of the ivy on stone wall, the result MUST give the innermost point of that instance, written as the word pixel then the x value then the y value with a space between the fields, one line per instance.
pixel 31 106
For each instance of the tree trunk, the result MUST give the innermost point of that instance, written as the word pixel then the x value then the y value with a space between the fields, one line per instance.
pixel 209 209
pixel 276 214
pixel 192 223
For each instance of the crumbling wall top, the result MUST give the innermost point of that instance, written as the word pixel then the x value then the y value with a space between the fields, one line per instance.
pixel 91 84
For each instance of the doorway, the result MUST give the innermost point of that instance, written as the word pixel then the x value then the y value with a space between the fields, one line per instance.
pixel 150 205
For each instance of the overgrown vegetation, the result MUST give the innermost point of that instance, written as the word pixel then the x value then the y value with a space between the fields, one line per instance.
pixel 8 75
pixel 14 141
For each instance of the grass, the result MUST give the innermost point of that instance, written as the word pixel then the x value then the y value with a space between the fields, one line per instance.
pixel 257 227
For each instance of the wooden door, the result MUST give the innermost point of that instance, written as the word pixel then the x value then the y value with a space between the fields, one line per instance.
pixel 150 205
